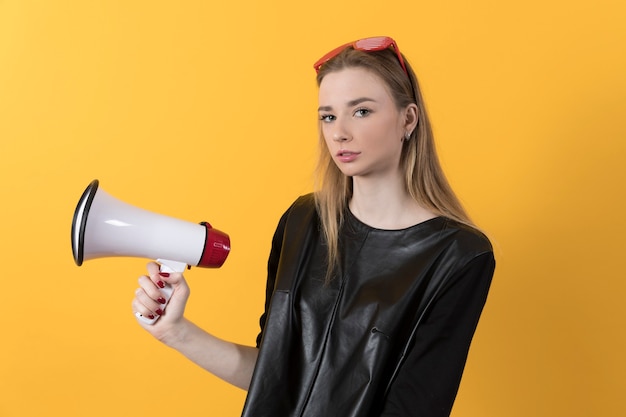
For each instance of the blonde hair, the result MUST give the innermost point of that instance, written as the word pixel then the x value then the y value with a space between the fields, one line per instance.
pixel 424 178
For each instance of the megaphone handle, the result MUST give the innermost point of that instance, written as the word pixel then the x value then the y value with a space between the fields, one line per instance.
pixel 166 266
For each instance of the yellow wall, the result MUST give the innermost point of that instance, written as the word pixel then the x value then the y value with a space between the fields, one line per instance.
pixel 206 111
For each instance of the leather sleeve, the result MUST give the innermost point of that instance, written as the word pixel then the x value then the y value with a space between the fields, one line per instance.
pixel 272 268
pixel 428 380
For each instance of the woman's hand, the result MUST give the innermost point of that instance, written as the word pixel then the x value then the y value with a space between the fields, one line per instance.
pixel 229 361
pixel 149 302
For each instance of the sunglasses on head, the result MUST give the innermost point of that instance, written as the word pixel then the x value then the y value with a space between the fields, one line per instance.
pixel 377 43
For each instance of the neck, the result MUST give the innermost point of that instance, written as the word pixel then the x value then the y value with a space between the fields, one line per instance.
pixel 385 204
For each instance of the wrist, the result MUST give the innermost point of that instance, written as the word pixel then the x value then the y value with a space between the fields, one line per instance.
pixel 176 334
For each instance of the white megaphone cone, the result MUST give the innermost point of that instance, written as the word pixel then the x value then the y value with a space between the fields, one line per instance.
pixel 104 226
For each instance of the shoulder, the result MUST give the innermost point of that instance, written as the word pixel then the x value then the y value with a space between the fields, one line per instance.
pixel 302 208
pixel 306 201
pixel 466 240
pixel 468 254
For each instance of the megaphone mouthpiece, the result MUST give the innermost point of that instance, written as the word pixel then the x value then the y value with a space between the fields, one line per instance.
pixel 216 247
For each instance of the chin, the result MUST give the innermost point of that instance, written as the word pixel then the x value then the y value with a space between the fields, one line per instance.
pixel 349 172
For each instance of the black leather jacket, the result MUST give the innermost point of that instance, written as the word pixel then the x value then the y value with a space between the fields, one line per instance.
pixel 388 336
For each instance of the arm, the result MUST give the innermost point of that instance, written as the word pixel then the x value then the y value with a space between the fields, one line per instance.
pixel 229 361
pixel 428 380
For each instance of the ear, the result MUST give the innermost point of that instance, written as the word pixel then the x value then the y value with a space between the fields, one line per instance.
pixel 411 116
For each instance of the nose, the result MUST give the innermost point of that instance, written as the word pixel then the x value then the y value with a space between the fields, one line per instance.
pixel 338 137
pixel 340 134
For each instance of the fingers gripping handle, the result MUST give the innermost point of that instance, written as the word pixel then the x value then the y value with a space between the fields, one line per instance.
pixel 167 294
pixel 166 266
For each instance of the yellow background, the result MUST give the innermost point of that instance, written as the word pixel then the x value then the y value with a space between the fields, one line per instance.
pixel 206 111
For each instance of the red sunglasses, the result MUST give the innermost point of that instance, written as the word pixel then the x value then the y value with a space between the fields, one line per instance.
pixel 377 43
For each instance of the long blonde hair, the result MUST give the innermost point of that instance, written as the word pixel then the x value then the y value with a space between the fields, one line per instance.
pixel 424 178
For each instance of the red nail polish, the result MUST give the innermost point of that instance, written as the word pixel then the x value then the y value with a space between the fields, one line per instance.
pixel 161 300
pixel 151 316
pixel 159 311
pixel 161 284
pixel 164 274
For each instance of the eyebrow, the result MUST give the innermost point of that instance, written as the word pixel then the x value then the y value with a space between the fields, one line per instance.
pixel 350 103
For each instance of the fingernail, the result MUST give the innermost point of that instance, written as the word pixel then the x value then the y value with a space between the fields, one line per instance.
pixel 161 284
pixel 151 316
pixel 161 300
pixel 159 311
pixel 164 274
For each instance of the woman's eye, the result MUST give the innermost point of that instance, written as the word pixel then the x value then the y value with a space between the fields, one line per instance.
pixel 361 112
pixel 327 118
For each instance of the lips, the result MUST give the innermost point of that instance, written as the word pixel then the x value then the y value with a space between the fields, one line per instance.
pixel 347 156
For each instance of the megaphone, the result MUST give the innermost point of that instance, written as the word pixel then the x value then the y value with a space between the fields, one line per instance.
pixel 104 226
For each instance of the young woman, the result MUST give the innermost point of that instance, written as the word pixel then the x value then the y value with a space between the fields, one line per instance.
pixel 375 282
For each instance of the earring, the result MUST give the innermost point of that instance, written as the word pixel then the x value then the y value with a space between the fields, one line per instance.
pixel 407 136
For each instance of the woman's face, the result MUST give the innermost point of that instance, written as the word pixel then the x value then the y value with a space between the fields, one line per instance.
pixel 362 127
